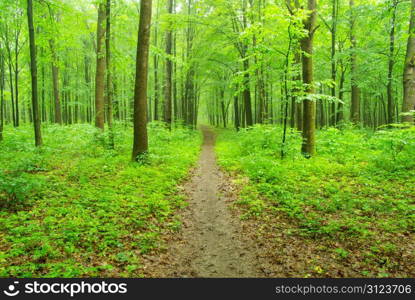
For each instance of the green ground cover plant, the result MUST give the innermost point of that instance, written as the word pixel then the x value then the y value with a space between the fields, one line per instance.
pixel 76 207
pixel 358 189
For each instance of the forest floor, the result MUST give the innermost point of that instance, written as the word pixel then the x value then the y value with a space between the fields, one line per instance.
pixel 249 214
pixel 211 243
pixel 241 212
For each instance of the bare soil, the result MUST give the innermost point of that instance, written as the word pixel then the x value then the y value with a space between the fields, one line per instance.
pixel 211 243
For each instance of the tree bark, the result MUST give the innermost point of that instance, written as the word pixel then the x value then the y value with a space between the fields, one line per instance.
pixel 169 71
pixel 355 105
pixel 236 112
pixel 55 81
pixel 33 70
pixel 298 104
pixel 309 106
pixel 333 61
pixel 16 76
pixel 391 63
pixel 10 65
pixel 340 108
pixel 140 93
pixel 156 69
pixel 2 75
pixel 247 80
pixel 409 71
pixel 109 87
pixel 100 69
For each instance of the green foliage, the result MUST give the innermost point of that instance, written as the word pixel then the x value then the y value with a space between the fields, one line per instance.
pixel 359 182
pixel 396 149
pixel 16 188
pixel 92 212
pixel 355 198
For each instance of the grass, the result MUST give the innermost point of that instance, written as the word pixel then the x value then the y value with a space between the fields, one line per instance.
pixel 357 195
pixel 75 208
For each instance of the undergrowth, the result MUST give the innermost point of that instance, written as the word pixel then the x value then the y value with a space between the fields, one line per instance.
pixel 359 187
pixel 77 208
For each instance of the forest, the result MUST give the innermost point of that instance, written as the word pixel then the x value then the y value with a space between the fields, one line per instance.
pixel 207 138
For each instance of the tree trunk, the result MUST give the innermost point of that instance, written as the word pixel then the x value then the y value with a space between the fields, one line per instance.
pixel 309 106
pixel 16 78
pixel 100 73
pixel 1 95
pixel 10 65
pixel 236 112
pixel 109 86
pixel 355 107
pixel 391 63
pixel 156 70
pixel 43 97
pixel 298 105
pixel 88 84
pixel 140 93
pixel 333 61
pixel 33 70
pixel 55 80
pixel 340 108
pixel 169 71
pixel 247 80
pixel 409 72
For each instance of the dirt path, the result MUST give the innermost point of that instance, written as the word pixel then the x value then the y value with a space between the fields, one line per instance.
pixel 210 245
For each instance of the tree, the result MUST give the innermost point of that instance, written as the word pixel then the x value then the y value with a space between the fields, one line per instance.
pixel 1 93
pixel 355 107
pixel 169 71
pixel 55 81
pixel 409 71
pixel 140 146
pixel 244 55
pixel 100 73
pixel 109 86
pixel 391 60
pixel 55 77
pixel 156 68
pixel 309 106
pixel 333 30
pixel 33 71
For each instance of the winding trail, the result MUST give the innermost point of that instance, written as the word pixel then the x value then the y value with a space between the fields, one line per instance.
pixel 211 244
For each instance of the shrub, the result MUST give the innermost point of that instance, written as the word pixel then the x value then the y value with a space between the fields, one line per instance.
pixel 16 188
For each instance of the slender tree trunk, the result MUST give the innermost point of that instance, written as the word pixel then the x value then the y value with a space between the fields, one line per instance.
pixel 100 73
pixel 247 94
pixel 109 87
pixel 33 70
pixel 10 64
pixel 175 104
pixel 355 107
pixel 247 80
pixel 16 78
pixel 1 95
pixel 88 84
pixel 333 61
pixel 55 81
pixel 391 63
pixel 409 71
pixel 156 69
pixel 298 105
pixel 309 114
pixel 236 112
pixel 189 87
pixel 140 93
pixel 340 108
pixel 43 97
pixel 169 71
